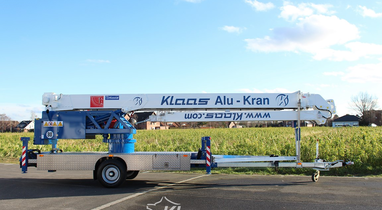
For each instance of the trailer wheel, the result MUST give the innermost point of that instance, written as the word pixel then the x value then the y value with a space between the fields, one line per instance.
pixel 132 174
pixel 111 173
pixel 315 176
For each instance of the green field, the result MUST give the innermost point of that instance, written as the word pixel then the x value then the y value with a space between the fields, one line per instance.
pixel 362 145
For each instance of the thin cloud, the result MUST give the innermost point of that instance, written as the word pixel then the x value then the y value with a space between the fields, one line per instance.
pixel 292 12
pixel 365 12
pixel 355 51
pixel 233 29
pixel 364 73
pixel 317 32
pixel 259 6
pixel 310 34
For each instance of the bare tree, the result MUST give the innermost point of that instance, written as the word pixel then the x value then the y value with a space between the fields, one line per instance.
pixel 33 115
pixel 4 122
pixel 363 103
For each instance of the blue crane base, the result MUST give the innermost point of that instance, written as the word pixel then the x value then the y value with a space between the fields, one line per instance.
pixel 121 143
pixel 112 125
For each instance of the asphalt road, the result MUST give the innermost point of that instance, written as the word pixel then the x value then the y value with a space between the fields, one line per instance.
pixel 77 190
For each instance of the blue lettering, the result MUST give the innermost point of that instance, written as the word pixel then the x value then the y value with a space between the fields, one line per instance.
pixel 171 103
pixel 258 115
pixel 255 101
pixel 229 102
pixel 209 115
pixel 193 116
pixel 218 101
pixel 165 100
pixel 239 116
pixel 181 101
pixel 170 100
pixel 227 115
pixel 191 101
pixel 246 100
pixel 224 101
pixel 203 101
pixel 266 101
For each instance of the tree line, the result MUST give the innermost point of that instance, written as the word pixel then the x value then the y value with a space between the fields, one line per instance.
pixel 6 124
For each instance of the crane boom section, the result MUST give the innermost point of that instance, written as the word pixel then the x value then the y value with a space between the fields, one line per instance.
pixel 215 101
pixel 211 116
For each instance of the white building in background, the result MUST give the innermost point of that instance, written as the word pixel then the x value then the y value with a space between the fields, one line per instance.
pixel 346 121
pixel 26 125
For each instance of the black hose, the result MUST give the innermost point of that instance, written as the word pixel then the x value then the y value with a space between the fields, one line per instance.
pixel 331 114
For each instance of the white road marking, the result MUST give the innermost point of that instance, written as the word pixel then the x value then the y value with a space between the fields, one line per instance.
pixel 144 192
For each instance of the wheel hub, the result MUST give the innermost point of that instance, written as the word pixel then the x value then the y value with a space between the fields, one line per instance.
pixel 111 174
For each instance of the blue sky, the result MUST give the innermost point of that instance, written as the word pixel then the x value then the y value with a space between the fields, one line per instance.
pixel 332 48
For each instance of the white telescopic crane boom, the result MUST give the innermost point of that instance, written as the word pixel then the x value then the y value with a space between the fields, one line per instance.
pixel 253 106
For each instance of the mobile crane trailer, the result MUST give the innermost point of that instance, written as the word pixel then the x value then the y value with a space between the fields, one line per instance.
pixel 85 116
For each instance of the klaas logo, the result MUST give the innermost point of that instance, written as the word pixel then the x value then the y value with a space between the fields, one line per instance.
pixel 164 204
pixel 96 101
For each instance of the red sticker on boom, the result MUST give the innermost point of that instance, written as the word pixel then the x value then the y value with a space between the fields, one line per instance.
pixel 96 101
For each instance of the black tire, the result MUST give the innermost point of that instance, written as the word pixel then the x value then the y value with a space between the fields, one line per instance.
pixel 315 177
pixel 132 174
pixel 111 173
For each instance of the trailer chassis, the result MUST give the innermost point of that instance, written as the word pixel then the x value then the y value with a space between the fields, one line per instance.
pixel 112 169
